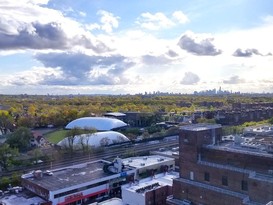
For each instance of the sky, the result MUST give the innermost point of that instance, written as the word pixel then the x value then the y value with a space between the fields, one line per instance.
pixel 64 47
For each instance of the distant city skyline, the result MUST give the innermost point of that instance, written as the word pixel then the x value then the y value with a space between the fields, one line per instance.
pixel 62 47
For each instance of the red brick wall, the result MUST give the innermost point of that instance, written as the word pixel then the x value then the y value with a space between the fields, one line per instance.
pixel 242 160
pixel 190 143
pixel 203 196
pixel 261 191
pixel 158 196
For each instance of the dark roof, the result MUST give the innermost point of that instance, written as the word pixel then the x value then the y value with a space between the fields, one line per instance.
pixel 200 127
pixel 72 176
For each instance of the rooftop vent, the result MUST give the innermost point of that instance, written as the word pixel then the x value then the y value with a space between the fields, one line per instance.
pixel 38 174
pixel 142 164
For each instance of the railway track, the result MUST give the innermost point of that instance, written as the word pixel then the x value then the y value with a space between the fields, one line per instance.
pixel 108 153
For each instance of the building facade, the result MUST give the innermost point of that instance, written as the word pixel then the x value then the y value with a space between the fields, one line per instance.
pixel 149 191
pixel 213 171
pixel 89 182
pixel 78 184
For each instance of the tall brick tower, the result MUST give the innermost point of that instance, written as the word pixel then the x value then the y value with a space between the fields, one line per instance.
pixel 218 172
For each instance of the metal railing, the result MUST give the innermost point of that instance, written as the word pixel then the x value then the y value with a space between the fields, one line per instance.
pixel 244 197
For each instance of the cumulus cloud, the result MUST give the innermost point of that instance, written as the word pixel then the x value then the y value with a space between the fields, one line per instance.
pixel 108 22
pixel 203 47
pixel 41 2
pixel 172 53
pixel 47 36
pixel 190 79
pixel 82 69
pixel 160 21
pixel 155 60
pixel 248 52
pixel 33 76
pixel 180 17
pixel 39 37
pixel 31 26
pixel 234 80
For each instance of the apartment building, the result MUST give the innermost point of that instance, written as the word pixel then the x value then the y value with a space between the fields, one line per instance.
pixel 216 171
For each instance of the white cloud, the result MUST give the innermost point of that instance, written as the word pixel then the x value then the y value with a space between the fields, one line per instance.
pixel 160 63
pixel 39 2
pixel 190 79
pixel 159 20
pixel 180 17
pixel 268 19
pixel 31 77
pixel 27 25
pixel 108 22
pixel 154 21
pixel 234 80
pixel 198 45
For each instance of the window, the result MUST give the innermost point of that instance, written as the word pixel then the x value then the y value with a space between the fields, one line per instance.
pixel 207 177
pixel 191 175
pixel 244 185
pixel 79 189
pixel 224 180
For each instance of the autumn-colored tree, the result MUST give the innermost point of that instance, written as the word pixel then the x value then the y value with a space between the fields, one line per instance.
pixel 6 122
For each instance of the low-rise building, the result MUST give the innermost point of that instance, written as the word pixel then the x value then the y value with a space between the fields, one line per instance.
pixel 151 190
pixel 150 165
pixel 92 181
pixel 169 152
pixel 79 183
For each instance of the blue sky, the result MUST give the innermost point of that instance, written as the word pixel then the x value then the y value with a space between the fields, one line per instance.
pixel 121 47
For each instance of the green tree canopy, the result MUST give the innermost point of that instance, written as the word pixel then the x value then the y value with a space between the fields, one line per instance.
pixel 20 139
pixel 7 155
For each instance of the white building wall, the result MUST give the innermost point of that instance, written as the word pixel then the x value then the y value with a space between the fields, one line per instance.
pixel 132 198
pixel 84 193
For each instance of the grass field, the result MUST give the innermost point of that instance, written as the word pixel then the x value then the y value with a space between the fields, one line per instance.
pixel 57 136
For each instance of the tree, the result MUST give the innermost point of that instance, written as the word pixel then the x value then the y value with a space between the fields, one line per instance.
pixel 270 120
pixel 26 121
pixel 20 139
pixel 172 131
pixel 71 135
pixel 7 155
pixel 89 131
pixel 104 141
pixel 37 153
pixel 6 122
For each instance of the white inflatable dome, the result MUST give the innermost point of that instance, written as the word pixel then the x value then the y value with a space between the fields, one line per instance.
pixel 96 139
pixel 98 123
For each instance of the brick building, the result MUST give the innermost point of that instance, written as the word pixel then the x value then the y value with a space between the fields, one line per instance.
pixel 149 191
pixel 213 171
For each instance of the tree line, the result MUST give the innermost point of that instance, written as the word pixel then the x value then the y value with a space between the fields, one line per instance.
pixel 40 111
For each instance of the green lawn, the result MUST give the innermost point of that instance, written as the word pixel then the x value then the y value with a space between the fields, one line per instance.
pixel 57 136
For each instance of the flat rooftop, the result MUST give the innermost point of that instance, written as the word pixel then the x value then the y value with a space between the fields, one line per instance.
pixel 264 129
pixel 152 182
pixel 168 152
pixel 73 175
pixel 145 161
pixel 232 147
pixel 112 201
pixel 17 199
pixel 200 127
